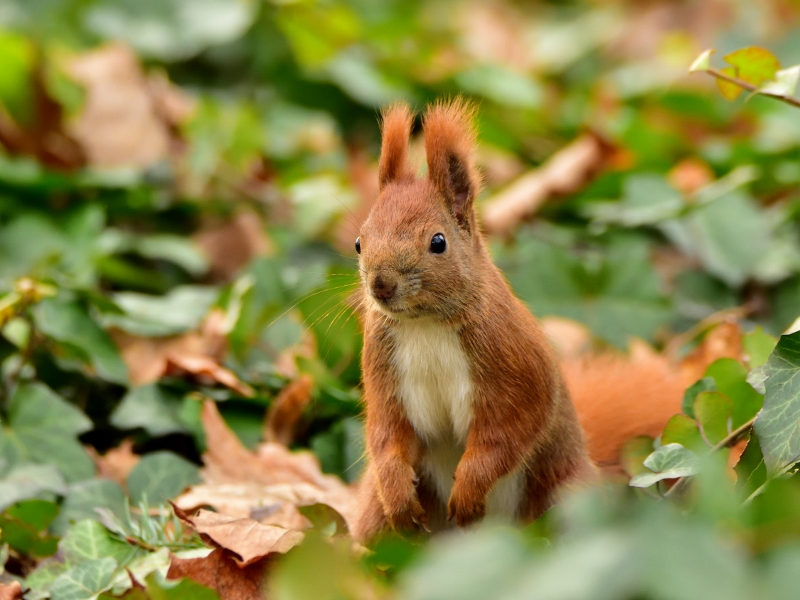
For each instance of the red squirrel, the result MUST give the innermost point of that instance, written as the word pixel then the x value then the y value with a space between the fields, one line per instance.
pixel 467 412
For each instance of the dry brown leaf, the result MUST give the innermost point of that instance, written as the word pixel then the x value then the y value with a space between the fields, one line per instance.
pixel 723 341
pixel 231 245
pixel 567 171
pixel 220 572
pixel 266 486
pixel 689 175
pixel 146 358
pixel 207 371
pixel 123 122
pixel 11 591
pixel 287 409
pixel 248 540
pixel 117 463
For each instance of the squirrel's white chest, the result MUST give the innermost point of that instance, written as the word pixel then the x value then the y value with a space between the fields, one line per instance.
pixel 434 380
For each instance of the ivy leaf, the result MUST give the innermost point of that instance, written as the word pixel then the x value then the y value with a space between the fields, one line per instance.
pixel 683 430
pixel 24 524
pixel 784 84
pixel 89 540
pixel 754 65
pixel 758 345
pixel 778 423
pixel 28 480
pixel 84 581
pixel 668 462
pixel 730 377
pixel 67 322
pixel 84 498
pixel 44 428
pixel 751 472
pixel 151 407
pixel 702 62
pixel 713 412
pixel 706 384
pixel 161 476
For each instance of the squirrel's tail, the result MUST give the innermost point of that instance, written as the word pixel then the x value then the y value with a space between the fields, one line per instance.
pixel 619 398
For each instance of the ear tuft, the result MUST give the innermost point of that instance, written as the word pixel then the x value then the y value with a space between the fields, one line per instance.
pixel 449 146
pixel 395 128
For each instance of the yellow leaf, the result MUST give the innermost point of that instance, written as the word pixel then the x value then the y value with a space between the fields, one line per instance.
pixel 730 91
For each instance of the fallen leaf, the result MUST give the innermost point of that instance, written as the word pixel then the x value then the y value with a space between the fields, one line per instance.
pixel 117 463
pixel 266 486
pixel 11 591
pixel 564 173
pixel 220 572
pixel 231 245
pixel 286 410
pixel 207 371
pixel 125 121
pixel 147 358
pixel 723 341
pixel 248 540
pixel 690 175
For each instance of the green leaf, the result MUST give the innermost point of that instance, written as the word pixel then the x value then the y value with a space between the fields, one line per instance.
pixel 161 476
pixel 730 377
pixel 171 29
pixel 778 423
pixel 44 427
pixel 151 407
pixel 728 89
pixel 85 581
pixel 89 540
pixel 758 345
pixel 667 462
pixel 174 248
pixel 501 85
pixel 67 322
pixel 713 412
pixel 28 480
pixel 181 310
pixel 751 471
pixel 754 65
pixel 23 528
pixel 706 384
pixel 683 430
pixel 647 199
pixel 83 498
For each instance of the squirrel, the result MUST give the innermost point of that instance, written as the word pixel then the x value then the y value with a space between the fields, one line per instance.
pixel 467 412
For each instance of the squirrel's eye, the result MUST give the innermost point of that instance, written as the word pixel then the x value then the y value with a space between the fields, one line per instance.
pixel 358 245
pixel 438 244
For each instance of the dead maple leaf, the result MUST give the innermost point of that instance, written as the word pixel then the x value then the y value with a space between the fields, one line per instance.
pixel 117 463
pixel 724 340
pixel 267 486
pixel 11 591
pixel 124 119
pixel 206 371
pixel 565 172
pixel 287 409
pixel 231 245
pixel 220 572
pixel 248 540
pixel 146 358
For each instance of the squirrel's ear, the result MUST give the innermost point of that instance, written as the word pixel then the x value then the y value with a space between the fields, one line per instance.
pixel 395 128
pixel 449 145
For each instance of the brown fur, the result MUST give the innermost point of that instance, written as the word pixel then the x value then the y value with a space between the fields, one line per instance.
pixel 522 417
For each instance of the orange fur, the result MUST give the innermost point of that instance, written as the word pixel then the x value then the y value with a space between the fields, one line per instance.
pixel 618 398
pixel 395 129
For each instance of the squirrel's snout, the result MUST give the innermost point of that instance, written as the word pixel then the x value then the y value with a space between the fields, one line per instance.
pixel 383 289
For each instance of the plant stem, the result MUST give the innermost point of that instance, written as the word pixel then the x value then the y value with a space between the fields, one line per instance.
pixel 729 439
pixel 750 87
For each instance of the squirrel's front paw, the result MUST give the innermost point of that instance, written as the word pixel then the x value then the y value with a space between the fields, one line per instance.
pixel 464 507
pixel 408 517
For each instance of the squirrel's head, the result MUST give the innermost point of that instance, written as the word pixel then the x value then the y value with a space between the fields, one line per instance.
pixel 419 246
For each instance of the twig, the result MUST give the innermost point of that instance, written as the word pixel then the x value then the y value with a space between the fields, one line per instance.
pixel 750 87
pixel 729 439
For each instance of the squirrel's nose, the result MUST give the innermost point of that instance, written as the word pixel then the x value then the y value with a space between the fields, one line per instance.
pixel 383 289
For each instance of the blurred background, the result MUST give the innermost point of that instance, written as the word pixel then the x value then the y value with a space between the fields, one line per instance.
pixel 182 182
